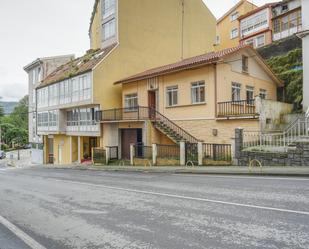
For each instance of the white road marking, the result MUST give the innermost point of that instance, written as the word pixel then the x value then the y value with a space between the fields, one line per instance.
pixel 243 177
pixel 186 197
pixel 20 234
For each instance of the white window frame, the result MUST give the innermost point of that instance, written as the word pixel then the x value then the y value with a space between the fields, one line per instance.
pixel 234 33
pixel 234 16
pixel 108 8
pixel 131 101
pixel 198 92
pixel 236 91
pixel 109 29
pixel 263 93
pixel 172 96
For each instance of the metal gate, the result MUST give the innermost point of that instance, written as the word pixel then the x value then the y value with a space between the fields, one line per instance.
pixel 192 153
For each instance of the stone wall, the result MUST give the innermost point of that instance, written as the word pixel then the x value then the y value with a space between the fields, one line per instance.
pixel 298 156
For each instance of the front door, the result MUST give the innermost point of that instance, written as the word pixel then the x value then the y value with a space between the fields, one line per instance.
pixel 128 137
pixel 50 150
pixel 93 144
pixel 152 103
pixel 152 99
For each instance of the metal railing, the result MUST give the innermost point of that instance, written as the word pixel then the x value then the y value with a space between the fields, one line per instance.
pixel 237 108
pixel 98 156
pixel 144 113
pixel 133 113
pixel 142 152
pixel 217 152
pixel 297 130
pixel 169 152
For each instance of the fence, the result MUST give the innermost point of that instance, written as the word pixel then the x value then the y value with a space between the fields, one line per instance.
pixel 278 140
pixel 99 156
pixel 169 152
pixel 142 152
pixel 217 152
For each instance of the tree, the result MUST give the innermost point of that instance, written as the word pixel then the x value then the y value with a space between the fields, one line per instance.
pixel 288 68
pixel 14 127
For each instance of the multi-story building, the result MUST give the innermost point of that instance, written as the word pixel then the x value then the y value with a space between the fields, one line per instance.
pixel 126 37
pixel 37 71
pixel 200 98
pixel 255 27
pixel 228 25
pixel 305 37
pixel 287 19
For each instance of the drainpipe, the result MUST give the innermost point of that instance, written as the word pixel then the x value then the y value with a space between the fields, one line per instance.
pixel 182 28
pixel 216 96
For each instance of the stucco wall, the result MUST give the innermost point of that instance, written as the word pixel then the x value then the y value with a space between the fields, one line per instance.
pixel 150 35
pixel 225 26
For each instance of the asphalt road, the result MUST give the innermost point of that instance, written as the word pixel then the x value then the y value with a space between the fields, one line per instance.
pixel 94 209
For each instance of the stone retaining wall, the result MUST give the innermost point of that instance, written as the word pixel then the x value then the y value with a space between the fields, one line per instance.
pixel 293 157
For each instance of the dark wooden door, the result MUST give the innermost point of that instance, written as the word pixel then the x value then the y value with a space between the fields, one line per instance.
pixel 152 99
pixel 129 136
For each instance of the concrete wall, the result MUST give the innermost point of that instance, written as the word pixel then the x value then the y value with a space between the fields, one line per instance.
pixel 271 113
pixel 37 156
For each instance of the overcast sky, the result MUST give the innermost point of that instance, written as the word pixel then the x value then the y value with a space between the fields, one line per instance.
pixel 38 28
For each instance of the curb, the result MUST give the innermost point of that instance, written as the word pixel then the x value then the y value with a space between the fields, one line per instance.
pixel 185 171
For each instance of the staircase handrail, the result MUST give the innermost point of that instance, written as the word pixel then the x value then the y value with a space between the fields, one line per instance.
pixel 174 126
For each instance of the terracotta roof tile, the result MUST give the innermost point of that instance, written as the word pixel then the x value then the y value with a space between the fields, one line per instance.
pixel 77 66
pixel 184 64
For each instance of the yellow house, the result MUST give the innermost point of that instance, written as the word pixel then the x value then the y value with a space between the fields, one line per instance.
pixel 202 98
pixel 127 36
pixel 228 25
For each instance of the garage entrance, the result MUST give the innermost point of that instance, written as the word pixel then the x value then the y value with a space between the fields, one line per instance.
pixel 130 136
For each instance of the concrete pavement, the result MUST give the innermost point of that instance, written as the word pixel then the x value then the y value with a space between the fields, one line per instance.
pixel 226 170
pixel 99 209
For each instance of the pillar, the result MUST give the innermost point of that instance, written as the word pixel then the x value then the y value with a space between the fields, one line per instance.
pixel 132 154
pixel 154 154
pixel 182 146
pixel 200 153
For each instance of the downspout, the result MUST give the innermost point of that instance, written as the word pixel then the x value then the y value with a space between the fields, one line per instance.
pixel 216 91
pixel 182 28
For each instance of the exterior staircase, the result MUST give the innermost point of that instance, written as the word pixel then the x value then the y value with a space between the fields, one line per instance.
pixel 170 129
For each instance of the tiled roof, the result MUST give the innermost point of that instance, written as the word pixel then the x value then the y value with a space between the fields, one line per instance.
pixel 77 66
pixel 184 64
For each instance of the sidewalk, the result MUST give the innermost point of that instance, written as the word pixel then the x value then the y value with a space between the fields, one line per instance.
pixel 224 170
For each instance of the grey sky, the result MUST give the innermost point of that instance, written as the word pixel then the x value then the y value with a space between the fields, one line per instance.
pixel 39 28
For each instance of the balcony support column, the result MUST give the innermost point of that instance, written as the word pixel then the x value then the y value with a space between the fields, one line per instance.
pixel 79 150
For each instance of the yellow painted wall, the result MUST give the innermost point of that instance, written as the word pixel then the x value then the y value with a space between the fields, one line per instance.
pixel 150 35
pixel 74 149
pixel 225 26
pixel 64 142
pixel 96 29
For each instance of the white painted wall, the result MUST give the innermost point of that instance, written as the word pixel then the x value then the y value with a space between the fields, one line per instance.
pixel 305 21
pixel 36 156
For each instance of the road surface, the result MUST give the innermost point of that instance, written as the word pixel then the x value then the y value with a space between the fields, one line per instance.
pixel 95 209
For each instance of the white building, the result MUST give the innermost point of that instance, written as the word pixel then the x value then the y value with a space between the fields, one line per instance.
pixel 305 36
pixel 37 71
